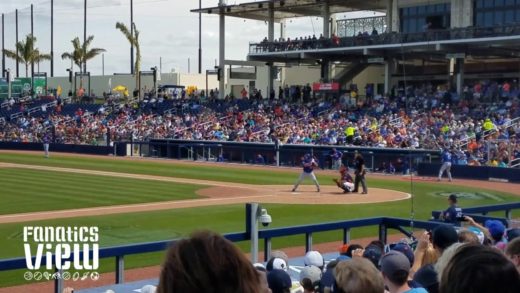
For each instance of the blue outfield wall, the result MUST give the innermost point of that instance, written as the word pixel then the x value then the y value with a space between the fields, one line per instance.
pixel 472 172
pixel 243 152
pixel 290 155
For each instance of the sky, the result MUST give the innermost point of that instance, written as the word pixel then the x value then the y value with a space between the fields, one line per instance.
pixel 168 31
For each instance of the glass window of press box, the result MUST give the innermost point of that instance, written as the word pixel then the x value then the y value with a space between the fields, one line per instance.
pixel 490 13
pixel 419 19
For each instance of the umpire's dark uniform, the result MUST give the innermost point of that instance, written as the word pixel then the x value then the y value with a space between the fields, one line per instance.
pixel 359 164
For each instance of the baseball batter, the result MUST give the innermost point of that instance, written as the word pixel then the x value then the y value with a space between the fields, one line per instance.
pixel 309 163
pixel 446 165
pixel 345 181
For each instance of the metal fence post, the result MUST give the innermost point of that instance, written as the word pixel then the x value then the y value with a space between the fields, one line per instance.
pixel 382 233
pixel 120 269
pixel 308 242
pixel 346 236
pixel 58 281
pixel 252 228
pixel 267 248
pixel 509 215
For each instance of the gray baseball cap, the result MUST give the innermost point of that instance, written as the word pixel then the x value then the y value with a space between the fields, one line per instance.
pixel 393 262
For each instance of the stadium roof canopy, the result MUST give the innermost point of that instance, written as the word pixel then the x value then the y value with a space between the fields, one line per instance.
pixel 284 9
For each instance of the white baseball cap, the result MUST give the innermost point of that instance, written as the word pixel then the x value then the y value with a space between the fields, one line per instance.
pixel 276 263
pixel 313 258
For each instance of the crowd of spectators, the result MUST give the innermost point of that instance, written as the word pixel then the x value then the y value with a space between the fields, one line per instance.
pixel 430 118
pixel 474 258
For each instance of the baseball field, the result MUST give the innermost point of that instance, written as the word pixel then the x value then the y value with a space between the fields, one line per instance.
pixel 142 200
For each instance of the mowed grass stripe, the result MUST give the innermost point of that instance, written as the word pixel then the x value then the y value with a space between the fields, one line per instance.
pixel 26 190
pixel 90 190
pixel 231 174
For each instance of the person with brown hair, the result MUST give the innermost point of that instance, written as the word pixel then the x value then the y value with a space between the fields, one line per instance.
pixel 207 262
pixel 358 275
pixel 513 252
pixel 479 269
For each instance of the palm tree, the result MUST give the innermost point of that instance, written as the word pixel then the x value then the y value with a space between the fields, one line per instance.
pixel 81 54
pixel 76 55
pixel 134 41
pixel 27 53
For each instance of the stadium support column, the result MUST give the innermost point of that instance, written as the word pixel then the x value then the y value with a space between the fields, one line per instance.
pixel 325 14
pixel 52 38
pixel 17 61
pixel 389 14
pixel 325 64
pixel 270 38
pixel 3 46
pixel 459 75
pixel 389 71
pixel 222 52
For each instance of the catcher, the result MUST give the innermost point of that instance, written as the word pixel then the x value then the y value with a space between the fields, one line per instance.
pixel 345 182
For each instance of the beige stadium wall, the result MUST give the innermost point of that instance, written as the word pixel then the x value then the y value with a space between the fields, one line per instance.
pixel 300 75
pixel 373 74
pixel 105 83
pixel 198 80
pixel 235 86
pixel 304 74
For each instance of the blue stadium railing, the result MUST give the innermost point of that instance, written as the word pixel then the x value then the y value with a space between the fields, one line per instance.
pixel 383 224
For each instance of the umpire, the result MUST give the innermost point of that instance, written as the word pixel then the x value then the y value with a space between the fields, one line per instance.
pixel 359 165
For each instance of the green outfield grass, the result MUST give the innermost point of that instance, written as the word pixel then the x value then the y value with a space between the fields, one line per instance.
pixel 161 225
pixel 26 190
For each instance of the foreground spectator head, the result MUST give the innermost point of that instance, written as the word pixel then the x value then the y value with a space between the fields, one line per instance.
pixel 496 229
pixel 373 253
pixel 513 252
pixel 445 258
pixel 444 236
pixel 207 262
pixel 314 258
pixel 310 278
pixel 479 269
pixel 279 281
pixel 512 234
pixel 358 275
pixel 148 289
pixel 262 274
pixel 351 248
pixel 467 236
pixel 280 254
pixel 404 249
pixel 276 264
pixel 427 279
pixel 395 267
pixel 327 278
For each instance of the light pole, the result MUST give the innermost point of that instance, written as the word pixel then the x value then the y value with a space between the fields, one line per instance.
pixel 7 73
pixel 154 70
pixel 69 70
